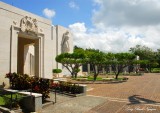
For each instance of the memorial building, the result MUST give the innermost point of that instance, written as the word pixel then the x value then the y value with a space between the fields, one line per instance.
pixel 30 43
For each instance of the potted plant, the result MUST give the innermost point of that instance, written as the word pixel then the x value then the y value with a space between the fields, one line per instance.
pixel 56 72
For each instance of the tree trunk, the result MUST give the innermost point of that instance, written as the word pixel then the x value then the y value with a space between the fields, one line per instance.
pixel 72 75
pixel 75 75
pixel 117 75
pixel 119 68
pixel 95 77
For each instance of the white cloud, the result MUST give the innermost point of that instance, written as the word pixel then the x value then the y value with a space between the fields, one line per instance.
pixel 111 40
pixel 127 12
pixel 49 13
pixel 78 27
pixel 119 25
pixel 73 5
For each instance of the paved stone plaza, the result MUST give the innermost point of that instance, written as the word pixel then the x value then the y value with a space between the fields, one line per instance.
pixel 140 94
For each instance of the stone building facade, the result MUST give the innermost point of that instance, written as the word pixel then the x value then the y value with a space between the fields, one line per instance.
pixel 29 43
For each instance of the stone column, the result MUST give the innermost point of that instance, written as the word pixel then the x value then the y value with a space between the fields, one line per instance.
pixel 41 56
pixel 103 70
pixel 110 69
pixel 13 49
pixel 37 58
pixel 89 68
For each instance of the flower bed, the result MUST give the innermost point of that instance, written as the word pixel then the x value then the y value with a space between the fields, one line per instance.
pixel 34 84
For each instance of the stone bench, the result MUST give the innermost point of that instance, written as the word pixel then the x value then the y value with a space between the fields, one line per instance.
pixel 31 102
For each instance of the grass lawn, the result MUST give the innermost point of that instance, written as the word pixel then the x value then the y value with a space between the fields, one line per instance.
pixel 99 78
pixel 2 101
pixel 6 99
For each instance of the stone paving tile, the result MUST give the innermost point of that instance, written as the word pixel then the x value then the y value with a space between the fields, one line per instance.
pixel 140 94
pixel 108 107
pixel 147 86
pixel 111 106
pixel 75 105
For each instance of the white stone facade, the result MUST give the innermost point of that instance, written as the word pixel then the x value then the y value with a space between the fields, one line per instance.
pixel 29 43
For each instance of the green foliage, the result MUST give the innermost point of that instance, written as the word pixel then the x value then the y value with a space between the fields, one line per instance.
pixel 96 59
pixel 72 61
pixel 41 85
pixel 155 70
pixel 78 50
pixel 144 52
pixel 67 87
pixel 118 61
pixel 5 100
pixel 91 78
pixel 19 81
pixel 56 70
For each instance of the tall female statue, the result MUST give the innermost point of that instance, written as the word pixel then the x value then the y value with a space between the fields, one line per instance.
pixel 65 44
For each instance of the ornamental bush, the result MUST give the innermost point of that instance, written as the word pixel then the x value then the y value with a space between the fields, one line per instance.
pixel 67 87
pixel 19 81
pixel 24 82
pixel 41 85
pixel 56 70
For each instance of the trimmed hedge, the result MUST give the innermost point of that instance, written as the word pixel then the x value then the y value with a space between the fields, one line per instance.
pixel 56 70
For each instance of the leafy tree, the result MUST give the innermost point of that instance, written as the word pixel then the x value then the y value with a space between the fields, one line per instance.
pixel 72 61
pixel 79 50
pixel 157 58
pixel 118 61
pixel 145 53
pixel 96 59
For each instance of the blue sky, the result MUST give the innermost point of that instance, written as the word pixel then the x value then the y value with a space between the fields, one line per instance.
pixel 65 14
pixel 108 25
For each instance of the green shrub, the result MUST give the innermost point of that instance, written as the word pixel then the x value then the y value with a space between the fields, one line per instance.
pixel 67 87
pixel 155 70
pixel 56 70
pixel 19 81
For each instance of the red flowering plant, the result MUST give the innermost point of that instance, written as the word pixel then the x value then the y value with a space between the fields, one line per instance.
pixel 54 85
pixel 19 81
pixel 41 85
pixel 24 82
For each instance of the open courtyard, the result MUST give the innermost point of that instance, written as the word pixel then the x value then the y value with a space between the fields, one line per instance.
pixel 140 94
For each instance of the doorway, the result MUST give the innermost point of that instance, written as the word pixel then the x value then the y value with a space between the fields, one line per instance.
pixel 26 56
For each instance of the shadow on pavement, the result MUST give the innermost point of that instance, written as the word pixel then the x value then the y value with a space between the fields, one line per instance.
pixel 136 99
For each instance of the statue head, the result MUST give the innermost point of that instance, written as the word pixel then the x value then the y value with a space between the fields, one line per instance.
pixel 66 33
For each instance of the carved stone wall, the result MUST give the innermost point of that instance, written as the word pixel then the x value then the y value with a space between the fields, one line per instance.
pixel 29 25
